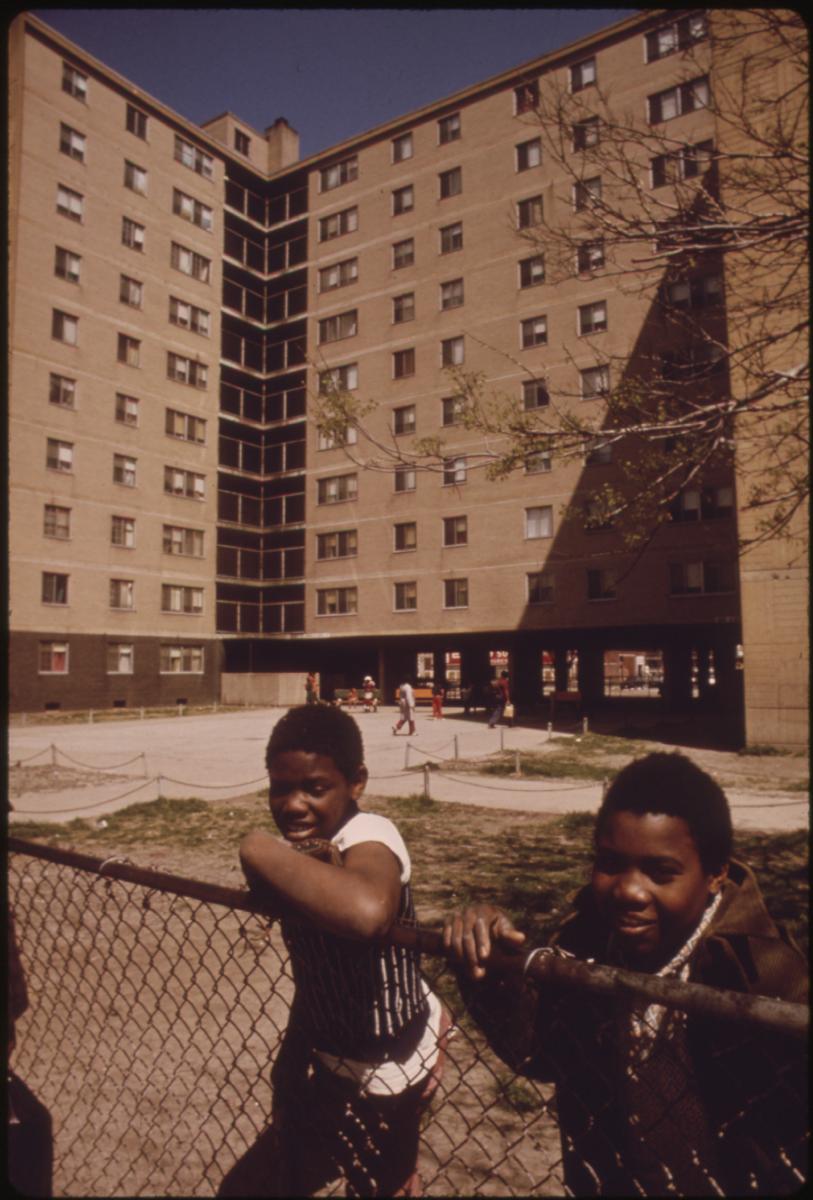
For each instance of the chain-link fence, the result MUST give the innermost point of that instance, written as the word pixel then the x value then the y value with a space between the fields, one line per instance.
pixel 157 1007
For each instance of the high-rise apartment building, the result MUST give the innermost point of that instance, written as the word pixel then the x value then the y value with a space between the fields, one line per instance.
pixel 181 295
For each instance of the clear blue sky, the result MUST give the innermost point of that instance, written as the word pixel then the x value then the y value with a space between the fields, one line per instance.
pixel 332 72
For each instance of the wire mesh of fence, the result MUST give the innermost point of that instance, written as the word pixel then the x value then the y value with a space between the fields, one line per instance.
pixel 158 1007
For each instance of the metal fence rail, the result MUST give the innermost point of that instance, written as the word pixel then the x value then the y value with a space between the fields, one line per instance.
pixel 157 1006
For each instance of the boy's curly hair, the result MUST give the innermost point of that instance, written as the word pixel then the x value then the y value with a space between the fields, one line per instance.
pixel 672 784
pixel 319 729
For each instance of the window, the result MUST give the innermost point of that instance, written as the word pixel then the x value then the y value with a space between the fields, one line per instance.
pixel 122 532
pixel 64 327
pixel 403 254
pixel 128 350
pixel 403 363
pixel 53 658
pixel 135 178
pixel 124 470
pixel 403 419
pixel 538 463
pixel 54 588
pixel 336 601
pixel 74 82
pixel 590 256
pixel 689 162
pixel 242 142
pixel 695 293
pixel 451 410
pixel 69 203
pixel 529 212
pixel 405 596
pixel 534 394
pixel 529 154
pixel 56 521
pixel 700 578
pixel 451 294
pixel 177 539
pixel 405 536
pixel 66 265
pixel 337 224
pixel 182 425
pixel 403 308
pixel 341 172
pixel 455 593
pixel 192 210
pixel 526 97
pixel 338 274
pixel 455 531
pixel 132 234
pixel 449 129
pixel 540 587
pixel 402 147
pixel 454 470
pixel 188 316
pixel 178 598
pixel 193 158
pixel 674 101
pixel 126 411
pixel 586 192
pixel 335 329
pixel 582 74
pixel 191 263
pixel 62 391
pixel 136 122
pixel 403 200
pixel 451 182
pixel 595 381
pixel 187 370
pixel 120 658
pixel 593 317
pixel 678 35
pixel 131 291
pixel 600 454
pixel 452 351
pixel 451 238
pixel 178 482
pixel 59 455
pixel 341 379
pixel 336 488
pixel 539 522
pixel 532 271
pixel 181 660
pixel 341 543
pixel 601 584
pixel 706 504
pixel 534 332
pixel 122 593
pixel 72 142
pixel 586 133
pixel 404 479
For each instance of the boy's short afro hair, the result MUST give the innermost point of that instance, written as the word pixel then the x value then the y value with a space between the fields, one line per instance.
pixel 319 729
pixel 672 784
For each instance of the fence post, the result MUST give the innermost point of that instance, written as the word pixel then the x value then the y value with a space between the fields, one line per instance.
pixel 158 785
pixel 53 755
pixel 517 768
pixel 180 710
pixel 584 724
pixel 502 737
pixel 406 757
pixel 456 748
pixel 550 729
pixel 426 795
pixel 90 716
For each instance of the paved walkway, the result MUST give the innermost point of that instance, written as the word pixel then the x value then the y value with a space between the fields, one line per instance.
pixel 221 755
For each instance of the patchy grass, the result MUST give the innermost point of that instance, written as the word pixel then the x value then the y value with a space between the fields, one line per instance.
pixel 562 758
pixel 530 864
pixel 762 751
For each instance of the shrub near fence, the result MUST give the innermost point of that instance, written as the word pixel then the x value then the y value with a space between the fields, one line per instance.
pixel 157 1006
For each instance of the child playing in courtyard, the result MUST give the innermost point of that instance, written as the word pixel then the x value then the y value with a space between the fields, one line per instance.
pixel 362 1048
pixel 649 1100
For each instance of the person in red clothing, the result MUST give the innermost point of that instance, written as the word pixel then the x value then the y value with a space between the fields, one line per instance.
pixel 503 698
pixel 438 695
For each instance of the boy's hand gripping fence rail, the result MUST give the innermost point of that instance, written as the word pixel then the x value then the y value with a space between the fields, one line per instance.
pixel 157 1005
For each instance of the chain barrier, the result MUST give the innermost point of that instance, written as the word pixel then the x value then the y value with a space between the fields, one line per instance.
pixel 157 1006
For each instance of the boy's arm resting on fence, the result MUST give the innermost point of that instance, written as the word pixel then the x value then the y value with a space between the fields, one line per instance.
pixel 358 899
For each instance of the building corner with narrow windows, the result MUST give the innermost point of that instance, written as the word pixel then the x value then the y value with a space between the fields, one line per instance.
pixel 180 529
